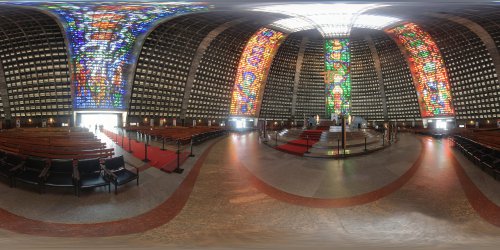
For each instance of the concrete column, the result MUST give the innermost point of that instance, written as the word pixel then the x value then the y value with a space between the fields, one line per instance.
pixel 3 84
pixel 378 69
pixel 205 43
pixel 480 32
pixel 296 79
pixel 3 93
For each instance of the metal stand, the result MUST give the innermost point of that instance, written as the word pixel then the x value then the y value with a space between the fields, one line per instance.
pixel 276 138
pixel 365 143
pixel 191 153
pixel 265 130
pixel 178 169
pixel 344 132
pixel 338 146
pixel 146 151
pixel 129 144
pixel 122 138
pixel 307 146
pixel 163 144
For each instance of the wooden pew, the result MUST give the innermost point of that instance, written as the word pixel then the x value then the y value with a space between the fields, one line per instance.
pixel 54 143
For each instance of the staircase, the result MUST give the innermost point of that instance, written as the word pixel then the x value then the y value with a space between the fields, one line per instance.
pixel 330 138
pixel 300 146
pixel 313 135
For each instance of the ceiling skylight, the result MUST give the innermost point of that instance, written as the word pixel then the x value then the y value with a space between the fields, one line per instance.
pixel 293 24
pixel 332 20
pixel 307 10
pixel 374 22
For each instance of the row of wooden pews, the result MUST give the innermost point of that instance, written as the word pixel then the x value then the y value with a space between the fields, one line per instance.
pixel 181 134
pixel 481 146
pixel 488 137
pixel 54 143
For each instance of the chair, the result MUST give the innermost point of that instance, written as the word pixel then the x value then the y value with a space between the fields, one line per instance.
pixel 488 162
pixel 478 155
pixel 4 169
pixel 61 174
pixel 117 173
pixel 32 172
pixel 9 164
pixel 497 168
pixel 89 175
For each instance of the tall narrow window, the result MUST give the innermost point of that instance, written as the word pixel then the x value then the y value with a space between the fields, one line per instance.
pixel 338 76
pixel 252 71
pixel 428 70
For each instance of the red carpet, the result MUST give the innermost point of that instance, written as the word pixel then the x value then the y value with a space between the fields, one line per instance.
pixel 299 147
pixel 302 142
pixel 162 159
pixel 311 134
pixel 292 149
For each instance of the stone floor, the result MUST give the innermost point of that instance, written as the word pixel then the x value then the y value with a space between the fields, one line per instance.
pixel 417 194
pixel 319 178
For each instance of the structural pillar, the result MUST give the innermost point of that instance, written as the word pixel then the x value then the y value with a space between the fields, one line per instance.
pixel 378 69
pixel 3 94
pixel 205 43
pixel 296 79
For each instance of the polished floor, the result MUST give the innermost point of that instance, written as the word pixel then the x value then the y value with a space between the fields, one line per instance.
pixel 238 193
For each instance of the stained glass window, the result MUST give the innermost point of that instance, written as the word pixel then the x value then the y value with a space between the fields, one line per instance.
pixel 252 71
pixel 337 76
pixel 428 70
pixel 102 37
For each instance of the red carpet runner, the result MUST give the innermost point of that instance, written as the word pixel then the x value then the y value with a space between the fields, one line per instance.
pixel 165 160
pixel 299 147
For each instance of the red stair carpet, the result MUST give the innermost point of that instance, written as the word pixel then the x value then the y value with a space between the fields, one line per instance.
pixel 162 159
pixel 312 134
pixel 299 147
pixel 302 142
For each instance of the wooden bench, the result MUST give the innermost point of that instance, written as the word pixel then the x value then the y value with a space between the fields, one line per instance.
pixel 54 143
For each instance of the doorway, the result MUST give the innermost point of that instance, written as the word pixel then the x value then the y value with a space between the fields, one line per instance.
pixel 90 120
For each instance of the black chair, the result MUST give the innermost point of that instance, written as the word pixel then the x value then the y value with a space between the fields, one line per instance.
pixel 497 168
pixel 32 172
pixel 89 174
pixel 9 165
pixel 478 155
pixel 61 174
pixel 4 170
pixel 488 162
pixel 117 173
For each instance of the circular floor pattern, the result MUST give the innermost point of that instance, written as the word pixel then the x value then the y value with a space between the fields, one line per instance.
pixel 320 182
pixel 223 170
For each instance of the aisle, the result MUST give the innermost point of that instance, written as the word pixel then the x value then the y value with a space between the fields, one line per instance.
pixel 162 159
